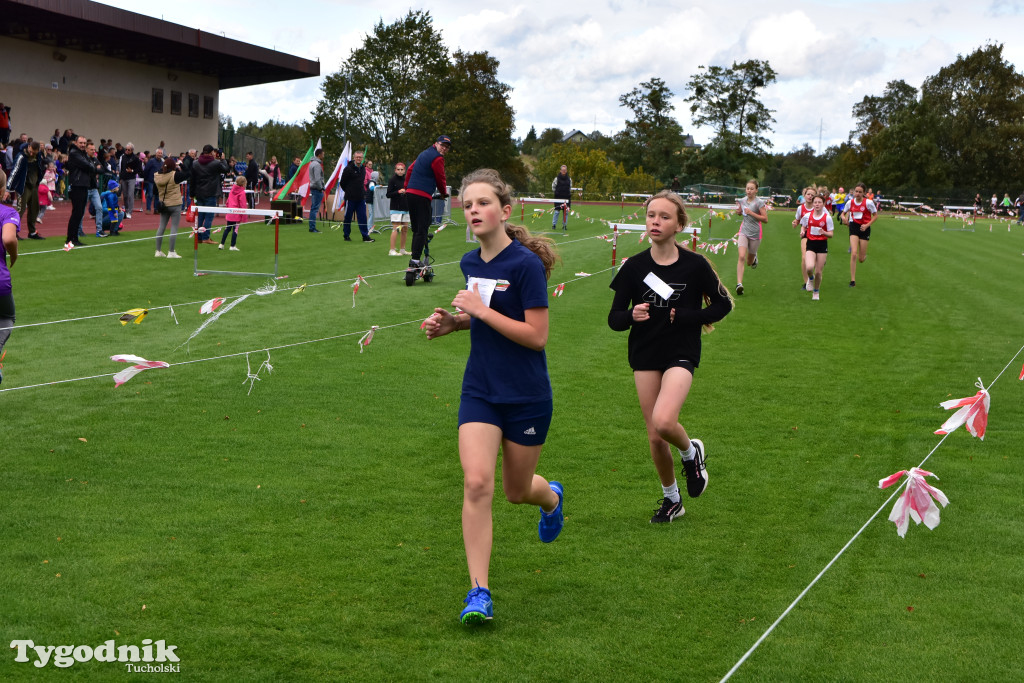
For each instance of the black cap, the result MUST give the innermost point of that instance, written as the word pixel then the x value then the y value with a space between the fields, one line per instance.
pixel 445 139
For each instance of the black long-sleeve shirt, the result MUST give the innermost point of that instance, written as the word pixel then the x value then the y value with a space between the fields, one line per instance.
pixel 666 338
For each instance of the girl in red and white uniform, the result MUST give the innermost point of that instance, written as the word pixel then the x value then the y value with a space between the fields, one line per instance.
pixel 819 228
pixel 802 210
pixel 859 214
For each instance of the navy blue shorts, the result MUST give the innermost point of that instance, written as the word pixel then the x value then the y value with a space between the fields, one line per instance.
pixel 523 423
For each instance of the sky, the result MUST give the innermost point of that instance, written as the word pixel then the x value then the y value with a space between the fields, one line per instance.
pixel 569 61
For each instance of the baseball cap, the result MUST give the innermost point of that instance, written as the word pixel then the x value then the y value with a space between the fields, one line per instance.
pixel 445 139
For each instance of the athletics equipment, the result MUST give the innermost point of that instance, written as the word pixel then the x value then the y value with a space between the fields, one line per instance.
pixel 534 200
pixel 617 228
pixel 193 216
pixel 632 195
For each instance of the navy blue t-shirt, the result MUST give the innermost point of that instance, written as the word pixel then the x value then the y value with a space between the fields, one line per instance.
pixel 499 370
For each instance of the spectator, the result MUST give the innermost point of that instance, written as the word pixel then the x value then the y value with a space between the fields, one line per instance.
pixel 28 172
pixel 399 209
pixel 168 187
pixel 421 180
pixel 272 172
pixel 112 214
pixel 152 167
pixel 293 169
pixel 316 187
pixel 55 139
pixel 99 180
pixel 562 188
pixel 67 141
pixel 236 200
pixel 207 171
pixel 367 192
pixel 351 184
pixel 5 124
pixel 82 173
pixel 252 179
pixel 186 164
pixel 131 168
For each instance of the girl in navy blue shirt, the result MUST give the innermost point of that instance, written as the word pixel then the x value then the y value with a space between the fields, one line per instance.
pixel 660 297
pixel 506 393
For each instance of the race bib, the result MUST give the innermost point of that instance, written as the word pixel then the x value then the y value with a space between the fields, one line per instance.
pixel 857 215
pixel 486 288
pixel 660 287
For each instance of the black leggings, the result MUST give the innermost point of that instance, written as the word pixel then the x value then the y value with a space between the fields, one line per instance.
pixel 79 198
pixel 6 318
pixel 232 228
pixel 419 220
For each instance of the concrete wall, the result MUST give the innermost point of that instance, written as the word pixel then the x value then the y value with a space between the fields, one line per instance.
pixel 101 97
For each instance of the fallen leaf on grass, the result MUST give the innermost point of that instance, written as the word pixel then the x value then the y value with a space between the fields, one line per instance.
pixel 226 417
pixel 143 607
pixel 855 455
pixel 257 485
pixel 910 608
pixel 83 439
pixel 921 575
pixel 46 562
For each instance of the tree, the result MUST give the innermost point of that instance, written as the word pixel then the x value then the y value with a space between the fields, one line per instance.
pixel 368 99
pixel 727 100
pixel 469 103
pixel 284 140
pixel 529 141
pixel 653 138
pixel 548 137
pixel 980 127
pixel 590 169
pixel 876 112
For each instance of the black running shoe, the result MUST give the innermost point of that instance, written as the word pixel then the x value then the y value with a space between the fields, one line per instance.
pixel 696 473
pixel 667 511
pixel 852 283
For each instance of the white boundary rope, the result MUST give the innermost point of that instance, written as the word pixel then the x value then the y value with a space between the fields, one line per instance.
pixel 804 592
pixel 280 289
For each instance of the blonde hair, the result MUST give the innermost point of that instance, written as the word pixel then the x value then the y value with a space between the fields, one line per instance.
pixel 682 218
pixel 240 180
pixel 675 199
pixel 543 247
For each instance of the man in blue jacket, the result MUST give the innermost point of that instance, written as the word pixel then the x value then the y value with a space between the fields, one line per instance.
pixel 424 176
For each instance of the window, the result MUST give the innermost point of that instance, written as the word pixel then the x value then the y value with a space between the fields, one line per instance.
pixel 158 100
pixel 193 105
pixel 207 107
pixel 175 103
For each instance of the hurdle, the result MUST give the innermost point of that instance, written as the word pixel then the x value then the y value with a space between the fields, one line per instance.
pixel 622 200
pixel 718 207
pixel 535 200
pixel 963 225
pixel 194 216
pixel 630 227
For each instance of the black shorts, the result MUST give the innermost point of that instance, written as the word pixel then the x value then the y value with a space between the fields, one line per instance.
pixel 855 231
pixel 674 363
pixel 817 246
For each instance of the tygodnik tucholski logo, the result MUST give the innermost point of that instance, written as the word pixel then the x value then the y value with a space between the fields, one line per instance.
pixel 64 656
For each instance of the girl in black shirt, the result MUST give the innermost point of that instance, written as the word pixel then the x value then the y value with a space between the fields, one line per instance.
pixel 659 297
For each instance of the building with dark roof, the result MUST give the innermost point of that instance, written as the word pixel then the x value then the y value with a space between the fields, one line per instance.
pixel 111 73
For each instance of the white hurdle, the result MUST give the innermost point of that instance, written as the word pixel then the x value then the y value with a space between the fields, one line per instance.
pixel 535 200
pixel 637 195
pixel 630 227
pixel 194 217
pixel 965 222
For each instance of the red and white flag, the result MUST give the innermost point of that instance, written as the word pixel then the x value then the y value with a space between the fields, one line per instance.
pixel 140 364
pixel 916 502
pixel 973 412
pixel 339 198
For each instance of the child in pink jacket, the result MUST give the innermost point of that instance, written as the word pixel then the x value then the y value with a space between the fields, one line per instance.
pixel 236 200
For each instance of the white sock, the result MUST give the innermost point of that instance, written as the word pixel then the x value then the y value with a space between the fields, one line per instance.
pixel 672 492
pixel 690 454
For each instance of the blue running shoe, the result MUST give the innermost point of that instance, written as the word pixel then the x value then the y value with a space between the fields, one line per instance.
pixel 479 607
pixel 550 524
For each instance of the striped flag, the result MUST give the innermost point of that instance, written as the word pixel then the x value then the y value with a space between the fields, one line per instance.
pixel 339 198
pixel 299 183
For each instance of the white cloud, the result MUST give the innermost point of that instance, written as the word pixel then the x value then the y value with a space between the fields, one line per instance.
pixel 569 61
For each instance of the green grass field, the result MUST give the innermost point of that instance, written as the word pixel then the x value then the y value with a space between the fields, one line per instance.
pixel 310 530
